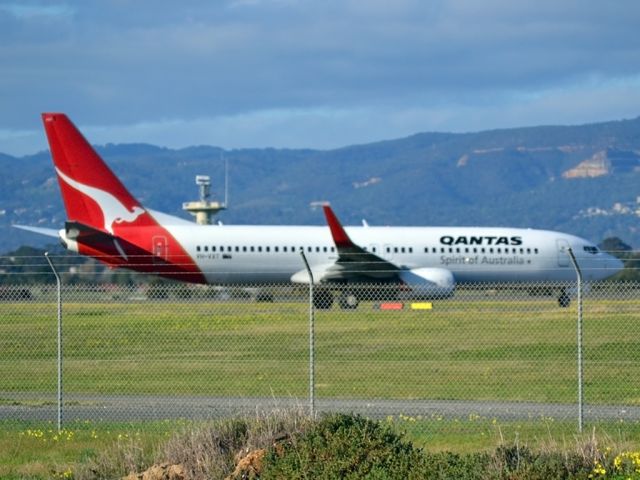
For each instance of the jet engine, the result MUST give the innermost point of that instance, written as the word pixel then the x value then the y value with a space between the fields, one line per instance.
pixel 429 283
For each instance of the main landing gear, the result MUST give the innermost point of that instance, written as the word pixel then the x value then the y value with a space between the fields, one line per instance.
pixel 323 299
pixel 348 301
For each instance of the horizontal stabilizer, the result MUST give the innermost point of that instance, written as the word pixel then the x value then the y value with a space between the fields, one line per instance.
pixel 76 230
pixel 49 232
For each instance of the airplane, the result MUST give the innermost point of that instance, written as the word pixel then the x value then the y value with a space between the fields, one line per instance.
pixel 106 222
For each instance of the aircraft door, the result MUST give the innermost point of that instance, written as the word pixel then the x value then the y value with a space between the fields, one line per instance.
pixel 160 248
pixel 563 252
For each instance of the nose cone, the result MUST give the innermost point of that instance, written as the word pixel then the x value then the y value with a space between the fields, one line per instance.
pixel 614 265
pixel 605 266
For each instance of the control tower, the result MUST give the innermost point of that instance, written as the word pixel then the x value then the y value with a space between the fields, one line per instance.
pixel 204 209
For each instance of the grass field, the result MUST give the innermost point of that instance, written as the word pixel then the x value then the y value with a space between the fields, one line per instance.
pixel 472 347
pixel 477 346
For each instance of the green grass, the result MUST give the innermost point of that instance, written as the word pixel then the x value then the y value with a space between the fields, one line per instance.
pixel 37 450
pixel 466 349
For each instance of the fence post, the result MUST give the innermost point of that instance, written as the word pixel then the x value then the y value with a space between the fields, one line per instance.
pixel 59 290
pixel 580 360
pixel 312 389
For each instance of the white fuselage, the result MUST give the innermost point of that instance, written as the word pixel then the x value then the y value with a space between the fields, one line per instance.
pixel 260 254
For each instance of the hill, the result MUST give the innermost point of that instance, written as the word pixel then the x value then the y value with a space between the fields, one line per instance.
pixel 579 179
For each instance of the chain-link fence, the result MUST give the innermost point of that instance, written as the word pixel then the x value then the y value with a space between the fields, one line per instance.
pixel 166 350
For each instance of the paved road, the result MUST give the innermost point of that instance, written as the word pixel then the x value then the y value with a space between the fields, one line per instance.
pixel 132 408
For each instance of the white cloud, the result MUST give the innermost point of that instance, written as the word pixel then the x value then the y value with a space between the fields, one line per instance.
pixel 267 72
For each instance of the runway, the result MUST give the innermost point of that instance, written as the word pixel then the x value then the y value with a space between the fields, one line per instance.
pixel 114 408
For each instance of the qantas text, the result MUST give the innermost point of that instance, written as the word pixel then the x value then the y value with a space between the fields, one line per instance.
pixel 485 240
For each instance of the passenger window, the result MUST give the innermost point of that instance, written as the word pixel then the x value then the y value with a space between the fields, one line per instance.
pixel 206 249
pixel 198 248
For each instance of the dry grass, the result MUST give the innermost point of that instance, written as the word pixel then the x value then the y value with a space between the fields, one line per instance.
pixel 205 450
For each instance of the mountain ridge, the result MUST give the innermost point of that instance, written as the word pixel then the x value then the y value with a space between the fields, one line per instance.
pixel 516 177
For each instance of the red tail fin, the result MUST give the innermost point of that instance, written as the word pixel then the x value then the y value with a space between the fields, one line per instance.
pixel 105 220
pixel 92 194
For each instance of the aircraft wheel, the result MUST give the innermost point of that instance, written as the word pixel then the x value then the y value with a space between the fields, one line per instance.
pixel 564 301
pixel 348 301
pixel 322 299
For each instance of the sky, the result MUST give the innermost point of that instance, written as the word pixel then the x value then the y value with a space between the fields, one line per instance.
pixel 311 73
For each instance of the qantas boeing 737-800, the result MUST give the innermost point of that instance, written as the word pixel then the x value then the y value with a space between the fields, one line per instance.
pixel 106 222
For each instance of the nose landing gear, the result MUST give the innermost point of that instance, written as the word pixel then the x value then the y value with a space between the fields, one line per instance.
pixel 564 300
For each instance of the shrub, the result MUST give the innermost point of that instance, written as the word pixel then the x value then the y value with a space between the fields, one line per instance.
pixel 345 446
pixel 520 463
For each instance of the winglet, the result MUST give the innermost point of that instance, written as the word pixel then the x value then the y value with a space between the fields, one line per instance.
pixel 340 237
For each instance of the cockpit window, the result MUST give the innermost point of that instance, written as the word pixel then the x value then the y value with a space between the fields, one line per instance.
pixel 590 249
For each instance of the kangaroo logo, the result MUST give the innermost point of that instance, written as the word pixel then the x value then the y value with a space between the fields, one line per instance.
pixel 113 210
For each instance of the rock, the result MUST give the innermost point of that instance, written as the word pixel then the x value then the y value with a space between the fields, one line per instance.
pixel 596 166
pixel 164 471
pixel 249 466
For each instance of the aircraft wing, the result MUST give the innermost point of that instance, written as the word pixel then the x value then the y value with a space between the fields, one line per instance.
pixel 354 262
